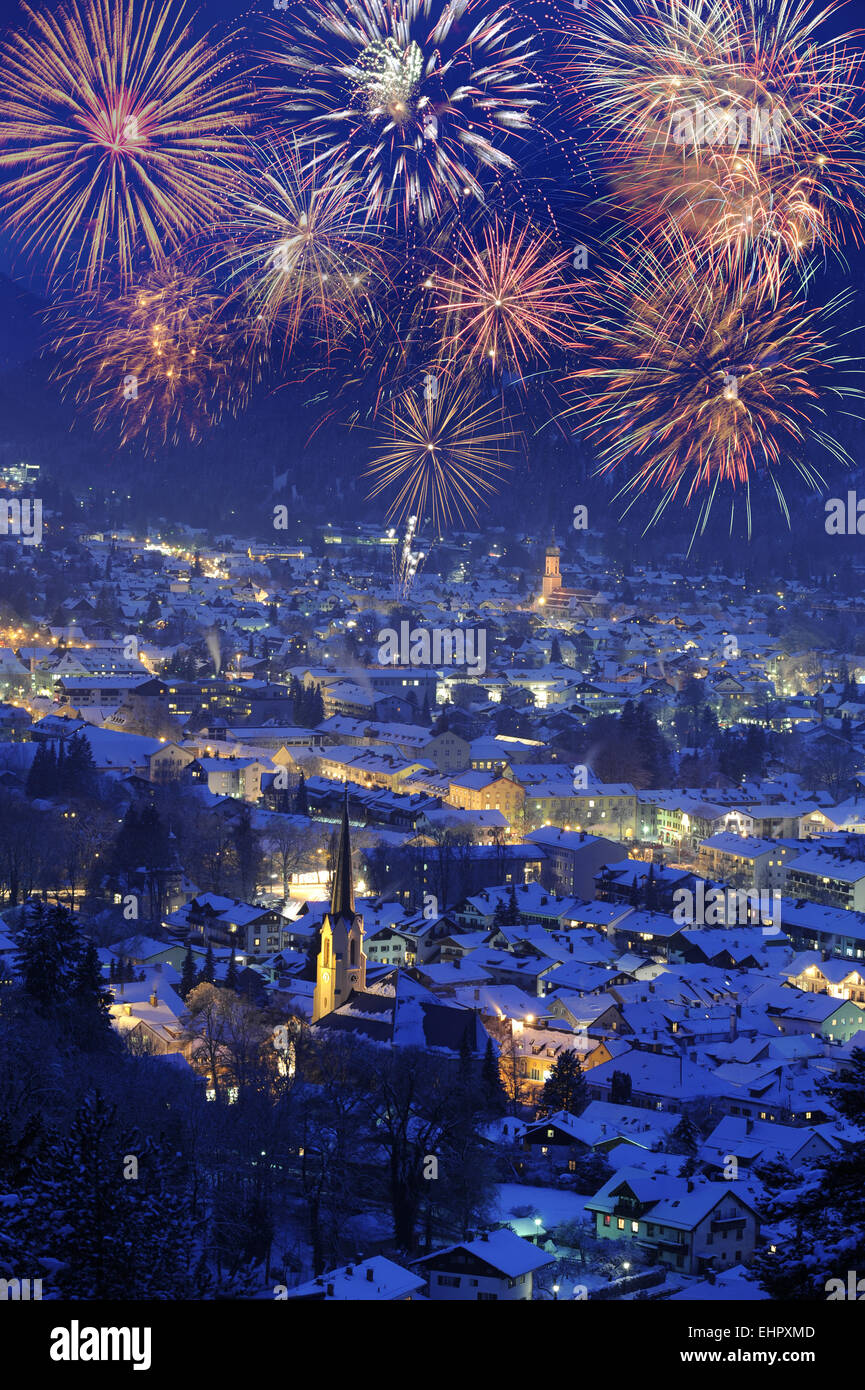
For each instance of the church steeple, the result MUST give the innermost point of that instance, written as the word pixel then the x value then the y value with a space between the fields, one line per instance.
pixel 341 964
pixel 552 578
pixel 342 896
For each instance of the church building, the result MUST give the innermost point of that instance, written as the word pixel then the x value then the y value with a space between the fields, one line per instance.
pixel 553 595
pixel 396 1009
pixel 341 966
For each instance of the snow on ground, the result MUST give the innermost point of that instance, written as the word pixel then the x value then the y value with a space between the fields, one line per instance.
pixel 555 1206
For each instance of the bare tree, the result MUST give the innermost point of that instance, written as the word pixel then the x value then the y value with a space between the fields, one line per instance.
pixel 291 849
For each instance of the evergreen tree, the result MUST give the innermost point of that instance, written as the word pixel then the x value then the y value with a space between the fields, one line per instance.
pixel 500 913
pixel 79 773
pixel 206 975
pixel 61 779
pixel 512 911
pixel 42 777
pixel 301 799
pixel 685 1139
pixel 153 844
pixel 620 1088
pixel 847 1089
pixel 89 997
pixel 231 972
pixel 310 969
pixel 316 707
pixel 556 653
pixel 126 852
pixel 492 1091
pixel 187 974
pixel 47 956
pixel 112 1235
pixel 565 1087
pixel 651 889
pixel 247 846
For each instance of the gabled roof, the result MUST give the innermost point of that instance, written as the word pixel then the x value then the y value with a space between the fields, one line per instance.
pixel 504 1250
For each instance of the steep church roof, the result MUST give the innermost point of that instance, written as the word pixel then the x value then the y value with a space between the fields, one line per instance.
pixel 342 898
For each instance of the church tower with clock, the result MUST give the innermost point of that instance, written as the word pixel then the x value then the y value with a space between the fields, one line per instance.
pixel 341 965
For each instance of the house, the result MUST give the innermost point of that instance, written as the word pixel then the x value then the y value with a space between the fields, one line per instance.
pixel 837 1020
pixel 247 928
pixel 815 927
pixel 376 1280
pixel 562 1137
pixel 573 858
pixel 400 1012
pixel 530 1052
pixel 238 777
pixel 832 879
pixel 479 791
pixel 448 752
pixel 691 1226
pixel 744 861
pixel 658 1080
pixel 815 974
pixel 596 1014
pixel 498 1266
pixel 150 1010
pixel 756 1141
pixel 168 762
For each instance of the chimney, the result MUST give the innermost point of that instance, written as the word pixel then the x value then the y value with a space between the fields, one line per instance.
pixel 690 1185
pixel 331 1290
pixel 485 1235
pixel 153 999
pixel 369 1274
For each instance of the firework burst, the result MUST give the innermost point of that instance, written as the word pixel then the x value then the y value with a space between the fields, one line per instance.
pixel 698 385
pixel 505 301
pixel 157 362
pixel 735 122
pixel 444 454
pixel 300 250
pixel 111 114
pixel 419 98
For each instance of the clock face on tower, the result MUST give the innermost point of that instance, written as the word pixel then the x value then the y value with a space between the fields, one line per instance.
pixel 325 976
